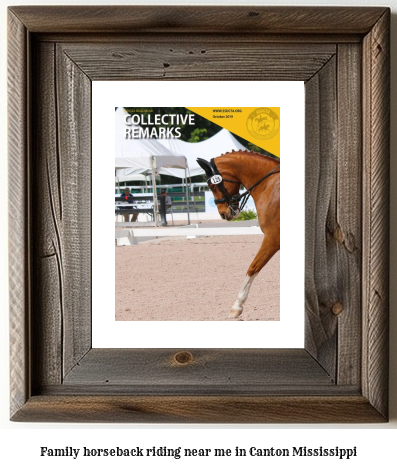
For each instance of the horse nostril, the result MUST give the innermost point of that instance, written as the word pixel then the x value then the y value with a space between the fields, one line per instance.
pixel 223 216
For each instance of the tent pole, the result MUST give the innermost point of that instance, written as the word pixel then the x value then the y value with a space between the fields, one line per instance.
pixel 187 199
pixel 156 206
pixel 118 181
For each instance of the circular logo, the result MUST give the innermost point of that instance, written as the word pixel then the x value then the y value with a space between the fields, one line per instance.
pixel 263 123
pixel 216 179
pixel 212 202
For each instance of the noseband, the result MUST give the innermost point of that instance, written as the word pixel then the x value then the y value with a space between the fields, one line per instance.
pixel 233 200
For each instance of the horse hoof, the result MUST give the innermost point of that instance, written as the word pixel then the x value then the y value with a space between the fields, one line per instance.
pixel 235 313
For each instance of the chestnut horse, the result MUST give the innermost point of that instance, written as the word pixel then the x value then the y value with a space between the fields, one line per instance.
pixel 260 175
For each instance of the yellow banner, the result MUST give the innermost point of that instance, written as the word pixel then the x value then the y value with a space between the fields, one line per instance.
pixel 261 126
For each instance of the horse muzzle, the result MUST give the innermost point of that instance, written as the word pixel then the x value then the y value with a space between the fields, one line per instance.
pixel 230 213
pixel 236 213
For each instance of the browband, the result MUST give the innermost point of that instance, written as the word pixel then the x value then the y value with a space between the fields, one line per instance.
pixel 235 198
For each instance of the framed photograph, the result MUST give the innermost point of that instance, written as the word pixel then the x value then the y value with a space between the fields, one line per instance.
pixel 193 272
pixel 57 58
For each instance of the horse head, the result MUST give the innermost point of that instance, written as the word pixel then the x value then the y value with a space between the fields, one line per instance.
pixel 224 190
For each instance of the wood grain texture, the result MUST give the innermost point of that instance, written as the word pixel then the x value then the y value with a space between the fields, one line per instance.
pixel 198 19
pixel 341 376
pixel 223 59
pixel 156 370
pixel 322 289
pixel 63 214
pixel 347 228
pixel 245 37
pixel 199 409
pixel 48 243
pixel 18 215
pixel 74 176
pixel 376 91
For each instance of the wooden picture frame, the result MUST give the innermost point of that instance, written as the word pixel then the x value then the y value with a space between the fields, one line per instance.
pixel 342 54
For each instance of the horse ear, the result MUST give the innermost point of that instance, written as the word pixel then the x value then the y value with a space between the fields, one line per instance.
pixel 205 165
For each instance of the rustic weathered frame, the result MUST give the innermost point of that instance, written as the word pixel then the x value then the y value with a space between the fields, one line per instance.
pixel 343 56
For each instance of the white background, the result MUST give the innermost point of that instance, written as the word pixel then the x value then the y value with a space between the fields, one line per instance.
pixel 20 442
pixel 288 332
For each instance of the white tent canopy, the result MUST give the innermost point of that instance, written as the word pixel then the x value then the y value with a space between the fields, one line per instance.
pixel 139 155
pixel 215 146
pixel 143 156
pixel 132 178
pixel 173 156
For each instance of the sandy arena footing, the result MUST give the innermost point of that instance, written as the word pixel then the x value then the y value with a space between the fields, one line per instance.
pixel 194 280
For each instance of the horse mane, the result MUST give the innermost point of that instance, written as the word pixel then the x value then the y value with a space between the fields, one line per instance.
pixel 253 153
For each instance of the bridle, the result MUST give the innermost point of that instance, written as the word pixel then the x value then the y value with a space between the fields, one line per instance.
pixel 232 201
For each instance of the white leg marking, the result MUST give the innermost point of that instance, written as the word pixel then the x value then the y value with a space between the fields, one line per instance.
pixel 242 296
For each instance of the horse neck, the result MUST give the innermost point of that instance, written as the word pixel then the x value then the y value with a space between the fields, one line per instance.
pixel 248 168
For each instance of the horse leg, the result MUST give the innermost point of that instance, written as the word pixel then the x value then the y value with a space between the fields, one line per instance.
pixel 270 245
pixel 242 296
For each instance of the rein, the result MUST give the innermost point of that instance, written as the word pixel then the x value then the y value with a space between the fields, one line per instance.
pixel 231 201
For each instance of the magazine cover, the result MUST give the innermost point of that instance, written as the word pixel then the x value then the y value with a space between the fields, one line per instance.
pixel 197 207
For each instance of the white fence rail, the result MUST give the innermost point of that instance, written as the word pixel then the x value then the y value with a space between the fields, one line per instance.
pixel 130 237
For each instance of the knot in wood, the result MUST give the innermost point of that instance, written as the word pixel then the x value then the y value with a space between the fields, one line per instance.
pixel 338 235
pixel 183 358
pixel 337 308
